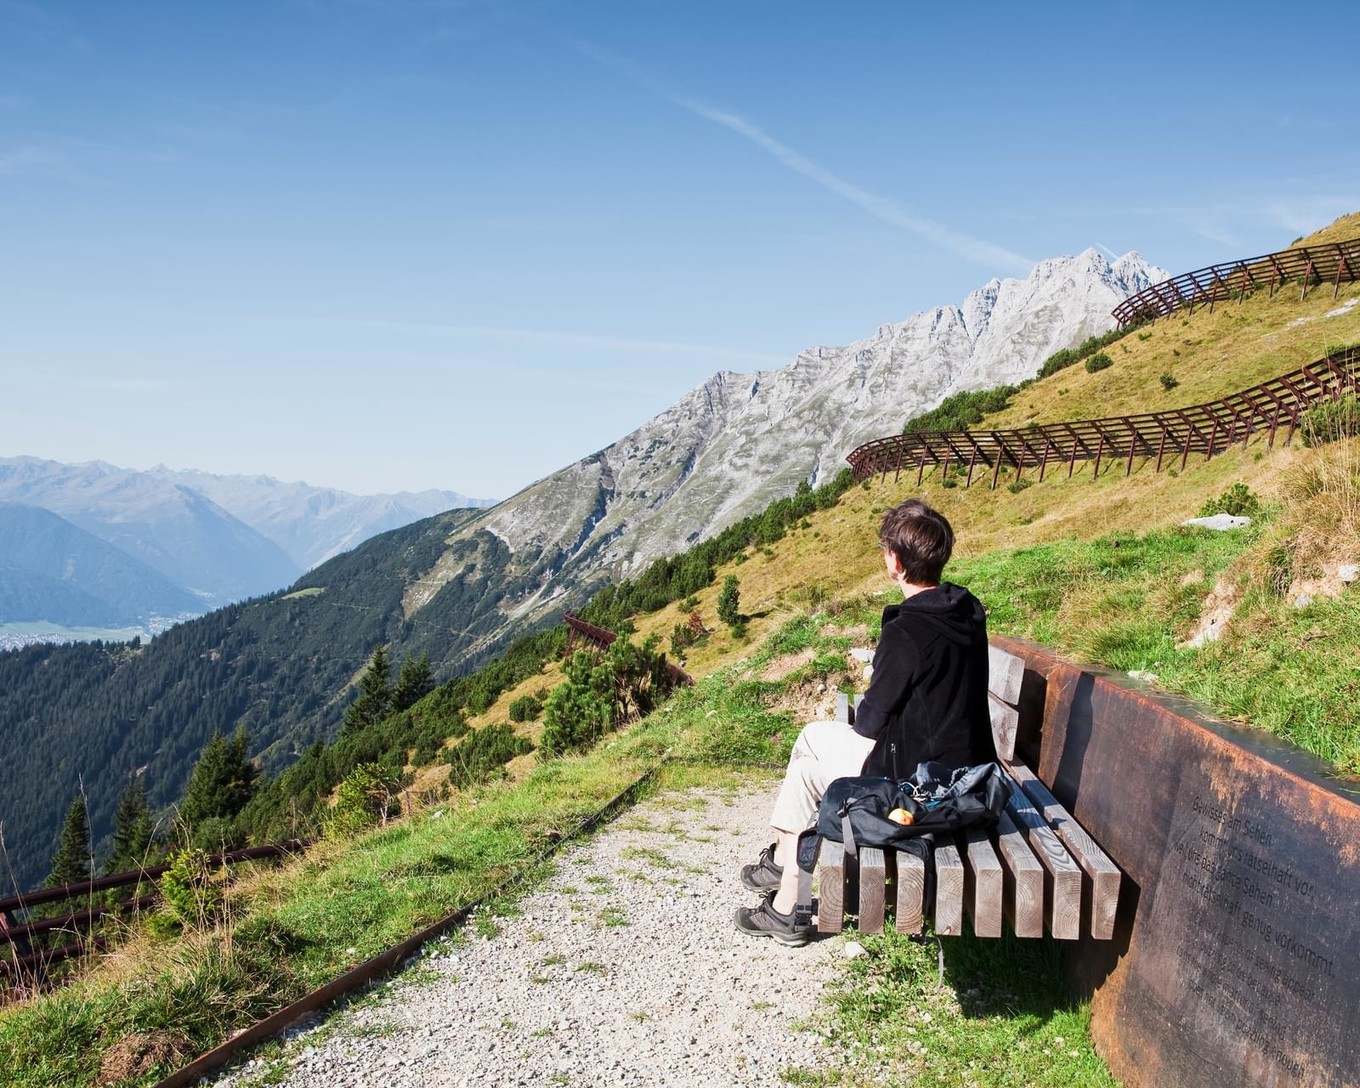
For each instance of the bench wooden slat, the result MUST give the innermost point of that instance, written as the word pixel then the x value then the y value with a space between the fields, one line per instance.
pixel 831 892
pixel 949 881
pixel 983 882
pixel 842 707
pixel 1104 874
pixel 1023 875
pixel 1005 673
pixel 1062 885
pixel 873 873
pixel 911 892
pixel 1005 724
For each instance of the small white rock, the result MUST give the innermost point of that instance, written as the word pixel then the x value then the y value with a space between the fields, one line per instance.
pixel 1220 522
pixel 1349 572
pixel 1303 600
pixel 861 655
pixel 854 950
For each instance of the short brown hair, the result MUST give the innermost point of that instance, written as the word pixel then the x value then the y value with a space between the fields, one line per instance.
pixel 921 538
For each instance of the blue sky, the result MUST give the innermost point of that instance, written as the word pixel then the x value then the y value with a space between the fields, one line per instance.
pixel 394 244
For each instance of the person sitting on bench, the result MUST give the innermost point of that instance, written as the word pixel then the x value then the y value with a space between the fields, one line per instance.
pixel 927 700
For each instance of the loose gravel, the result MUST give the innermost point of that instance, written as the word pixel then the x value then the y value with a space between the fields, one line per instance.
pixel 625 968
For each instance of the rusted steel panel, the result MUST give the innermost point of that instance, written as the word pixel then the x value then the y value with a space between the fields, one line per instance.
pixel 1237 951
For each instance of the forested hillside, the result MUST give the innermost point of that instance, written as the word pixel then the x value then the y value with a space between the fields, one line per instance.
pixel 278 665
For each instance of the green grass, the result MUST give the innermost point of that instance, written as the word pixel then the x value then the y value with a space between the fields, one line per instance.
pixel 1128 602
pixel 1002 1018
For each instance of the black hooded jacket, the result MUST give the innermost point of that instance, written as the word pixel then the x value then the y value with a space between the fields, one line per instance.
pixel 927 699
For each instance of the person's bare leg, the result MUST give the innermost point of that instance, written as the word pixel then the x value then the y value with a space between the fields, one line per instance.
pixel 786 855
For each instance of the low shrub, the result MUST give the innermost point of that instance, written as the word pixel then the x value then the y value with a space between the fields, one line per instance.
pixel 366 797
pixel 483 754
pixel 190 891
pixel 1098 361
pixel 1061 360
pixel 1239 501
pixel 527 707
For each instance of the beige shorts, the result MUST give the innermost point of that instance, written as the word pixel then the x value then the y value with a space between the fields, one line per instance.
pixel 823 752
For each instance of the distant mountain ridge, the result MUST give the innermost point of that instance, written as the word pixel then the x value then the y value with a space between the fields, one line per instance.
pixel 313 524
pixel 214 539
pixel 53 570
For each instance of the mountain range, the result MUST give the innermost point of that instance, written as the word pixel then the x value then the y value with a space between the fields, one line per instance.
pixel 207 539
pixel 459 585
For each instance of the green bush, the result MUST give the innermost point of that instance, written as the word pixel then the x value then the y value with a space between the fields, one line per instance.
pixel 1061 360
pixel 1098 361
pixel 1238 500
pixel 483 754
pixel 962 410
pixel 1169 383
pixel 1017 486
pixel 190 893
pixel 578 711
pixel 526 708
pixel 367 796
pixel 601 693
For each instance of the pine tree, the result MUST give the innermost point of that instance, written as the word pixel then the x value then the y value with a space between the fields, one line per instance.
pixel 729 601
pixel 71 862
pixel 375 696
pixel 222 782
pixel 414 683
pixel 131 828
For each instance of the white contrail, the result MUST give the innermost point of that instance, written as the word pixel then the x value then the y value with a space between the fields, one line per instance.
pixel 881 208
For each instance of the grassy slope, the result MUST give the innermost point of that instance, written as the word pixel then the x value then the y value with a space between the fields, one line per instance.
pixel 1097 568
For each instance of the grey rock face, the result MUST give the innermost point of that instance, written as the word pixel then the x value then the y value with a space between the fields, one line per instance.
pixel 729 447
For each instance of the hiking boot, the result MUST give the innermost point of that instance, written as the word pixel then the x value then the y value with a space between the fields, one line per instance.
pixel 764 874
pixel 765 921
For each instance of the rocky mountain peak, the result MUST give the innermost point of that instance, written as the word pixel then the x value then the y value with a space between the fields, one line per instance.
pixel 737 441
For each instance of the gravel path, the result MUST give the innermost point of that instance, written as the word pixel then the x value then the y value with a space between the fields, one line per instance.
pixel 624 969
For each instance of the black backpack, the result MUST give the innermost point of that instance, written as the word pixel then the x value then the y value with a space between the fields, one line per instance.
pixel 854 811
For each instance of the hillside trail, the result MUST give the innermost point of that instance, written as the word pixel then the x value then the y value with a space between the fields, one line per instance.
pixel 624 968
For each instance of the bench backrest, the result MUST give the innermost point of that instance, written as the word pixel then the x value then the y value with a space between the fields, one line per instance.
pixel 1004 675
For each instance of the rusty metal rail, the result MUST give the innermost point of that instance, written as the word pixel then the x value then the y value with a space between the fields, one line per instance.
pixel 1163 437
pixel 1331 262
pixel 18 930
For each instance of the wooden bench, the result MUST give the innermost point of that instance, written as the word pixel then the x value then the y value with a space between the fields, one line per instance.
pixel 1037 869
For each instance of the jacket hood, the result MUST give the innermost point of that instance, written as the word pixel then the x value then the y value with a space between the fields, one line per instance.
pixel 948 609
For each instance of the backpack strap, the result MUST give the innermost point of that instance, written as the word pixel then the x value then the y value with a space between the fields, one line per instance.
pixel 848 832
pixel 809 846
